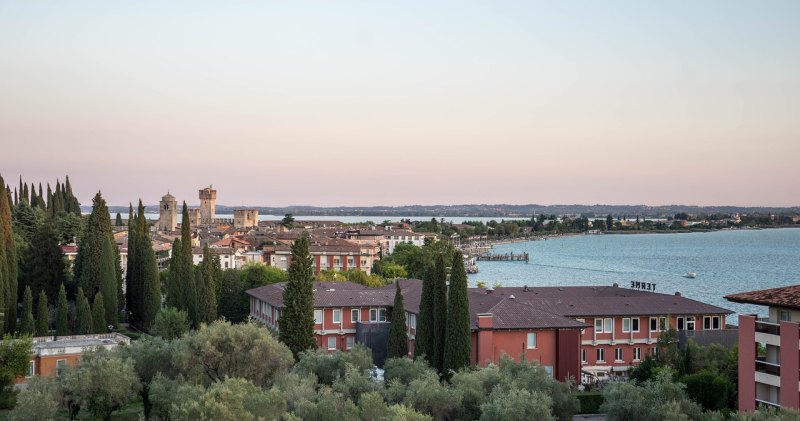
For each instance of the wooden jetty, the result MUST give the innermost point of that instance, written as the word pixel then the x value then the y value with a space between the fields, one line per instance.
pixel 504 257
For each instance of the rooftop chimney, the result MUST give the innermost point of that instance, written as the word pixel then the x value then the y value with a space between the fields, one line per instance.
pixel 677 293
pixel 489 290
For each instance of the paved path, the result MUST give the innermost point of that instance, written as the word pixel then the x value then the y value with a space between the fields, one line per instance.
pixel 590 417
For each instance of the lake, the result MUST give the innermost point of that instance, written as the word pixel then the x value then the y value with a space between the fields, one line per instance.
pixel 725 262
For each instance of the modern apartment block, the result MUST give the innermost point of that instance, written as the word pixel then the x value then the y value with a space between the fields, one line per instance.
pixel 772 378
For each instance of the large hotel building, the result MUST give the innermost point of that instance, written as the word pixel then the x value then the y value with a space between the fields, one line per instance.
pixel 586 332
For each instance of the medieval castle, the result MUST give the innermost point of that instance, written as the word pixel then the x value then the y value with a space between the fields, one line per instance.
pixel 206 214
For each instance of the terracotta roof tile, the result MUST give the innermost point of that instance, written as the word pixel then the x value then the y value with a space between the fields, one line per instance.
pixel 788 296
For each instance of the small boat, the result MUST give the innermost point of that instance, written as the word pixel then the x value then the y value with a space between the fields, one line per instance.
pixel 690 275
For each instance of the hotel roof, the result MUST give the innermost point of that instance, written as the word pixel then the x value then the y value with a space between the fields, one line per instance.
pixel 788 296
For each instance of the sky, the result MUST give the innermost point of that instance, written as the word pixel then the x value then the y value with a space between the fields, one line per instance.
pixel 388 103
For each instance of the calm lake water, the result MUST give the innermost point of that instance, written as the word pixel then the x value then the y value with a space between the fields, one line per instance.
pixel 725 262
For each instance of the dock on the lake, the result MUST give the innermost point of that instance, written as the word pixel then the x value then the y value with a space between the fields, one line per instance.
pixel 504 257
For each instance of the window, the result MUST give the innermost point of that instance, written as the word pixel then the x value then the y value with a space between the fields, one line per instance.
pixel 318 317
pixel 690 323
pixel 658 324
pixel 331 342
pixel 681 324
pixel 412 321
pixel 618 354
pixel 598 325
pixel 582 321
pixel 635 324
pixel 31 369
pixel 601 355
pixel 583 355
pixel 626 325
pixel 531 340
pixel 350 342
pixel 637 354
pixel 377 314
pixel 549 370
pixel 337 316
pixel 355 315
pixel 785 316
pixel 711 323
pixel 609 325
pixel 60 364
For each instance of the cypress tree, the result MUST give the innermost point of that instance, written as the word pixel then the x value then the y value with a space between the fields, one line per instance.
pixel 118 221
pixel 40 200
pixel 25 193
pixel 458 345
pixel 43 263
pixel 423 344
pixel 83 314
pixel 149 285
pixel 439 311
pixel 50 203
pixel 28 323
pixel 206 288
pixel 132 278
pixel 62 310
pixel 43 316
pixel 97 256
pixel 186 275
pixel 8 266
pixel 21 190
pixel 72 204
pixel 297 319
pixel 398 339
pixel 33 201
pixel 173 278
pixel 99 315
pixel 58 199
pixel 16 197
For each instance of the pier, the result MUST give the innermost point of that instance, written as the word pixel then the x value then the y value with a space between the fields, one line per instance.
pixel 504 257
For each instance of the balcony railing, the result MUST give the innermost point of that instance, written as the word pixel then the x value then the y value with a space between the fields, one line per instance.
pixel 768 368
pixel 768 327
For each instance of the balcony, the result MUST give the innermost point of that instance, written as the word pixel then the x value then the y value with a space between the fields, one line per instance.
pixel 767 368
pixel 769 328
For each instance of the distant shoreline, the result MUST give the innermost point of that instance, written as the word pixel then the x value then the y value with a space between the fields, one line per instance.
pixel 492 243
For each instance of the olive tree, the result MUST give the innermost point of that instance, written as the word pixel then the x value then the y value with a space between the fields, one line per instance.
pixel 221 350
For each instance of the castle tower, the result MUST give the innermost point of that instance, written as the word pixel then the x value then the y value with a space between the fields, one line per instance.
pixel 168 213
pixel 208 205
pixel 245 218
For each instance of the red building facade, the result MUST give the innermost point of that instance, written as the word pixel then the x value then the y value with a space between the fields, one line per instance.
pixel 579 332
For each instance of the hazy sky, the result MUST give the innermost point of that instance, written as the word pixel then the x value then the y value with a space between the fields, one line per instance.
pixel 386 103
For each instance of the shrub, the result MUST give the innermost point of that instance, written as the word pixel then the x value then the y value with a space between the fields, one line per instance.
pixel 590 402
pixel 517 405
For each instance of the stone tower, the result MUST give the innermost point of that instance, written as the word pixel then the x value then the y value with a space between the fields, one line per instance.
pixel 245 218
pixel 168 213
pixel 208 205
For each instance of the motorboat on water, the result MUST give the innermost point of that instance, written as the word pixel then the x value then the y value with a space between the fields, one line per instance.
pixel 690 275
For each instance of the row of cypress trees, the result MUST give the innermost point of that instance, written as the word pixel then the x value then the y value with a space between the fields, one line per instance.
pixel 194 291
pixel 60 200
pixel 87 320
pixel 97 267
pixel 443 331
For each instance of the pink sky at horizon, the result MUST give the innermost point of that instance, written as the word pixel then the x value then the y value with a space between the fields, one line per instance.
pixel 310 104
